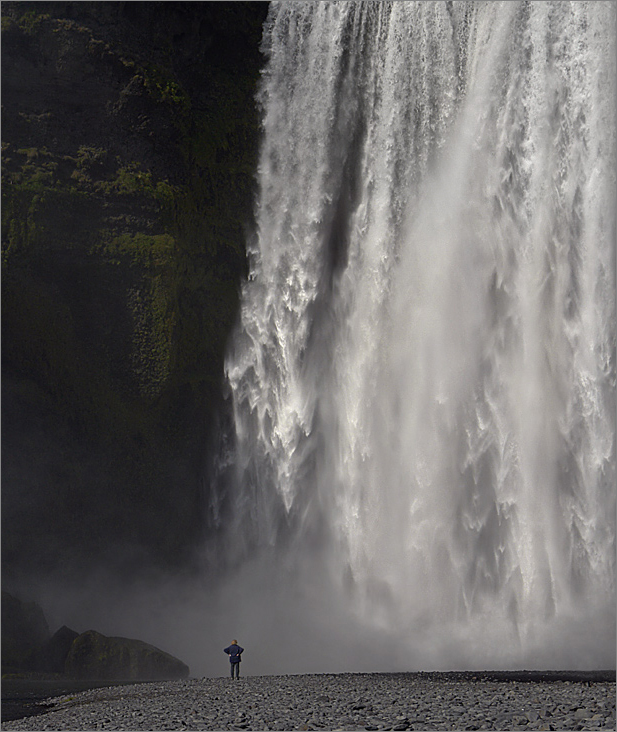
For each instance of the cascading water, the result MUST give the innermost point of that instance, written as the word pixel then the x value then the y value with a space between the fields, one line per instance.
pixel 423 377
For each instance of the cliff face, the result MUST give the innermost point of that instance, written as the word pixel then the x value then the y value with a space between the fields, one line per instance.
pixel 129 139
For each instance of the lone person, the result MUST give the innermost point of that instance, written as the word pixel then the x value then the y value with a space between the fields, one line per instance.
pixel 234 652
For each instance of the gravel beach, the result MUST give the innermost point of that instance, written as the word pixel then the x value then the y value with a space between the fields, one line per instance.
pixel 358 701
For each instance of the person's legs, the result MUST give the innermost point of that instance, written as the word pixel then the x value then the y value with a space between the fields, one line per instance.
pixel 231 666
pixel 237 665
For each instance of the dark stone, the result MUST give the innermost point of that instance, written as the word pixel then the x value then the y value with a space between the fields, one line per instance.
pixel 96 656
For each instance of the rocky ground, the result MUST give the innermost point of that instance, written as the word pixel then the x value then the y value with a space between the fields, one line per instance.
pixel 405 701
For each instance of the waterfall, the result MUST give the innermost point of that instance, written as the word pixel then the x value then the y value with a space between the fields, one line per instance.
pixel 423 376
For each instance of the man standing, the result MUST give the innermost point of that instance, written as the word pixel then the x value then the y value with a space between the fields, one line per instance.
pixel 234 652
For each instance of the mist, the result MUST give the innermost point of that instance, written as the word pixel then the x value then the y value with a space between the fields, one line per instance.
pixel 300 621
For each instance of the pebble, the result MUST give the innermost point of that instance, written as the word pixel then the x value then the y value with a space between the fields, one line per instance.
pixel 379 702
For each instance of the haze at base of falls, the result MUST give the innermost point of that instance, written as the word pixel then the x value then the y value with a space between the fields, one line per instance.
pixel 423 377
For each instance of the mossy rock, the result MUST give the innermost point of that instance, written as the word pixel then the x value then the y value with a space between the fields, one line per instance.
pixel 124 220
pixel 96 656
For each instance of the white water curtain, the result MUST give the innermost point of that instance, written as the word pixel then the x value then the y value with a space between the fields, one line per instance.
pixel 423 378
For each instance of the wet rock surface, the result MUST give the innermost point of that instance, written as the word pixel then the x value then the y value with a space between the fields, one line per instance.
pixel 401 701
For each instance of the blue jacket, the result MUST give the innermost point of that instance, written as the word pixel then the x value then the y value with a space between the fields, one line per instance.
pixel 234 652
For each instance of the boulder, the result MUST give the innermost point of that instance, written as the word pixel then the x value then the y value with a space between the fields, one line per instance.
pixel 96 656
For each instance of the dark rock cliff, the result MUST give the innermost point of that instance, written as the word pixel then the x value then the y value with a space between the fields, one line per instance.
pixel 24 631
pixel 96 656
pixel 29 652
pixel 129 140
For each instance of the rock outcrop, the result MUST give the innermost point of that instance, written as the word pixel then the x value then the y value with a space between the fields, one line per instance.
pixel 95 656
pixel 27 650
